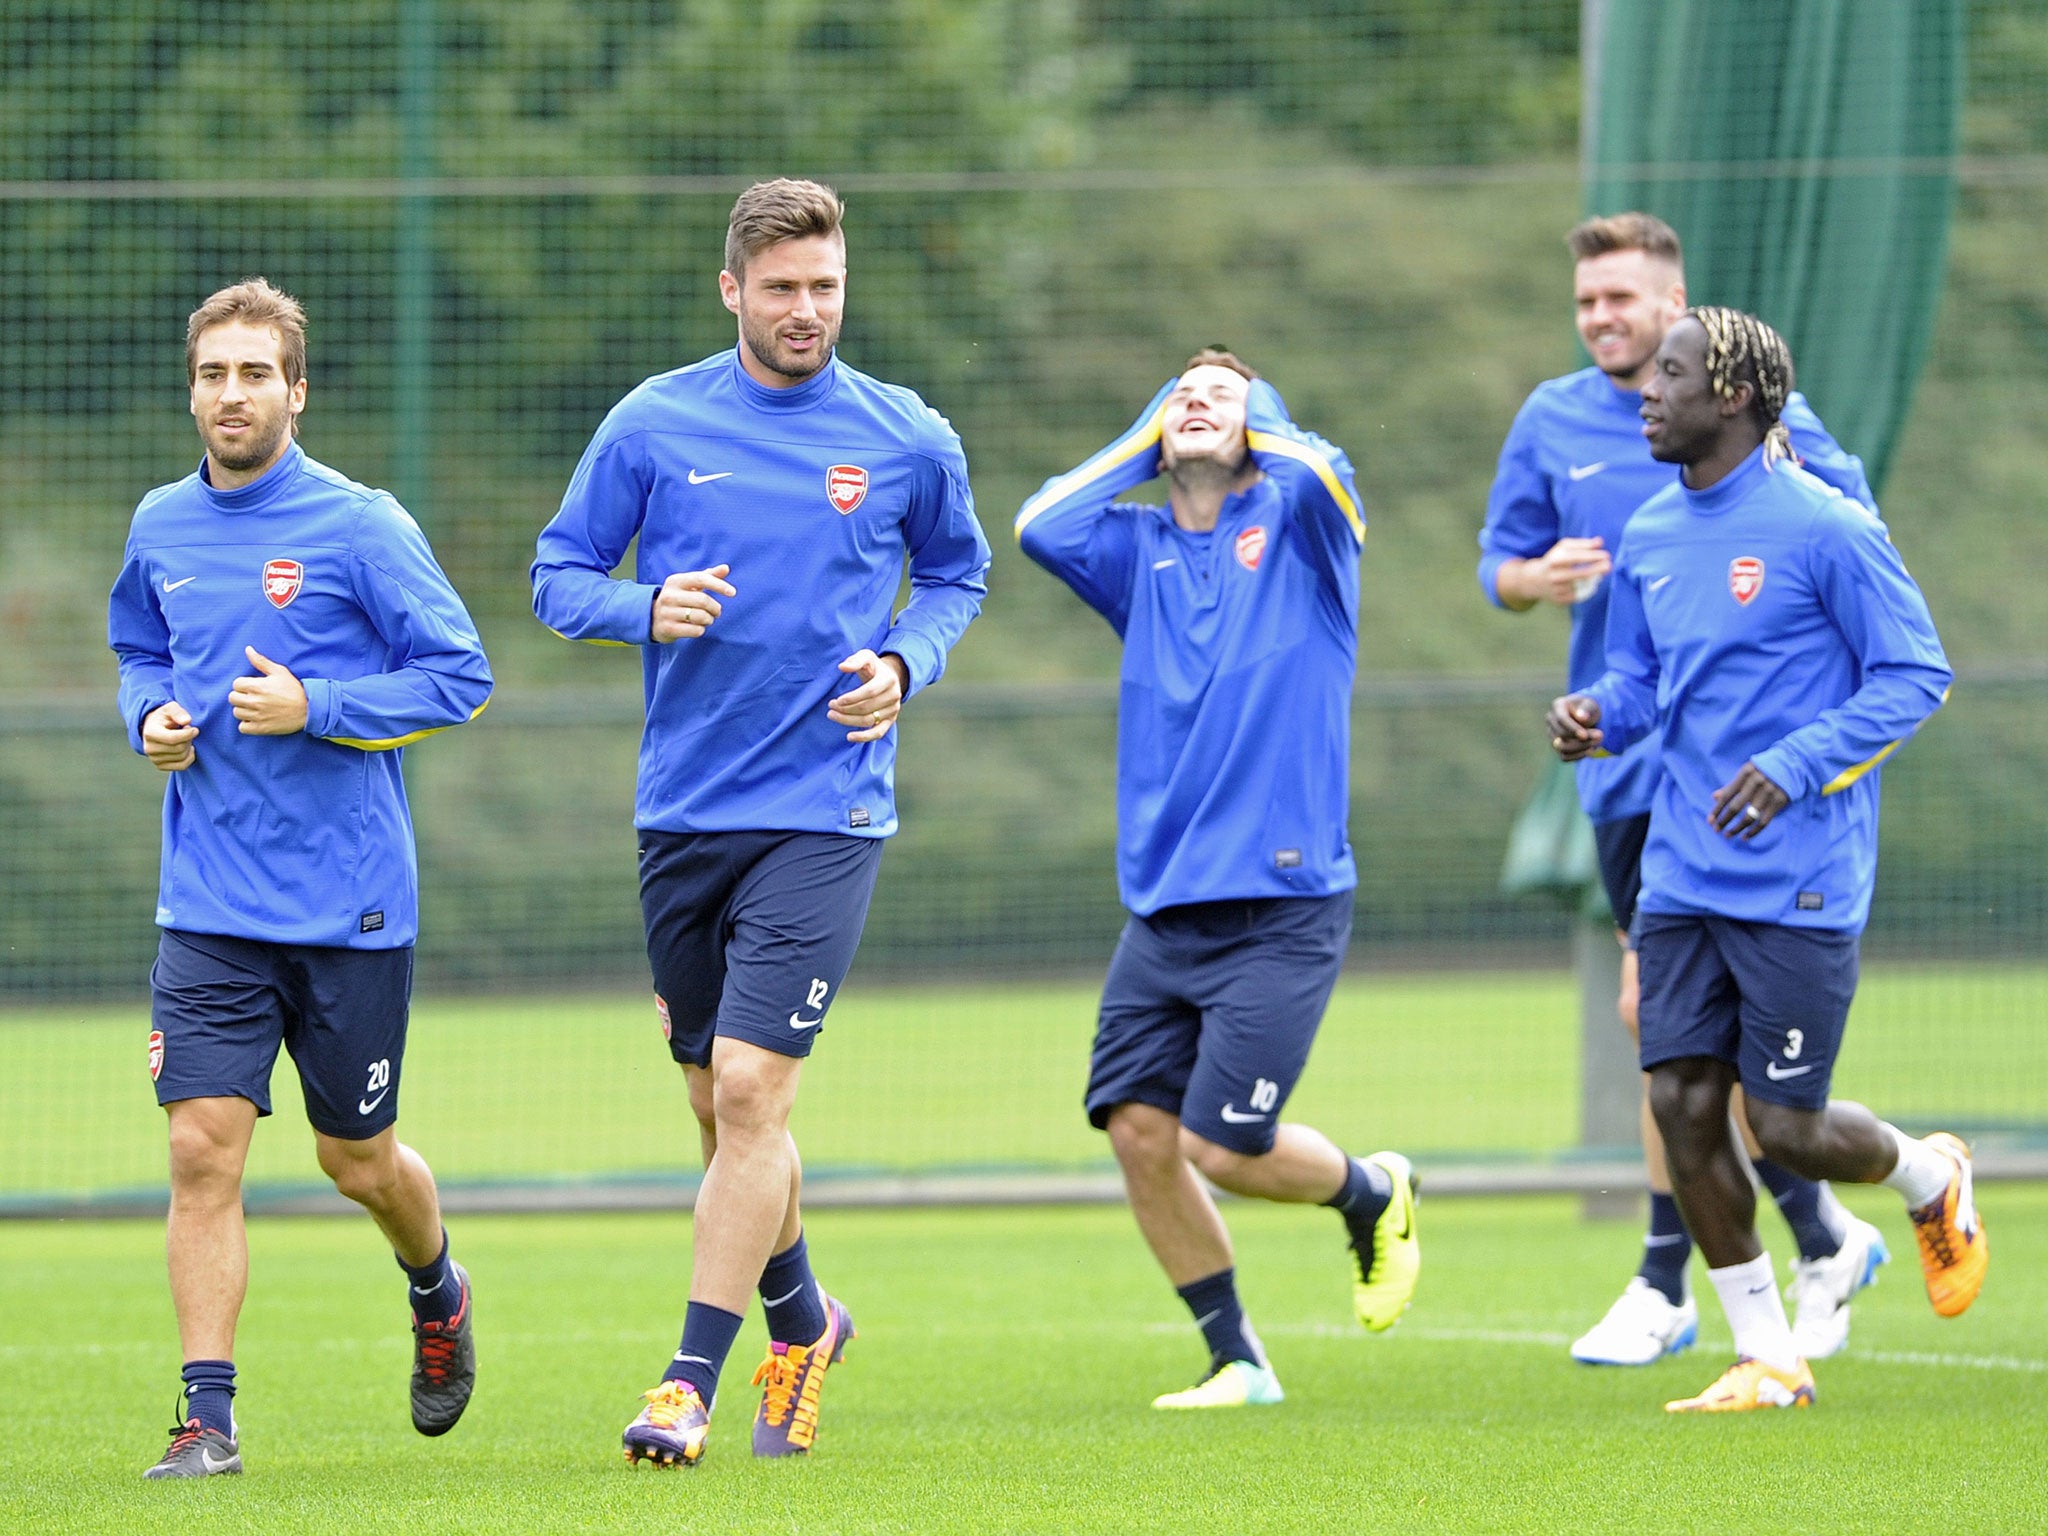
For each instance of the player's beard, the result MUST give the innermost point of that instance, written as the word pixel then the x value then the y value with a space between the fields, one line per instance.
pixel 258 447
pixel 1207 468
pixel 767 349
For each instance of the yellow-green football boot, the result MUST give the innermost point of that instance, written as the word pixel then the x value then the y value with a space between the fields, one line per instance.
pixel 1388 1260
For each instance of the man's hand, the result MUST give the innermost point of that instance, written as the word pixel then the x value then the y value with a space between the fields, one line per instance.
pixel 271 703
pixel 1573 724
pixel 685 605
pixel 167 733
pixel 872 707
pixel 1745 805
pixel 1565 574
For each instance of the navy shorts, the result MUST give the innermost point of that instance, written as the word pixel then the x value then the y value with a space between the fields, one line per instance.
pixel 1769 1000
pixel 751 933
pixel 220 1007
pixel 1620 847
pixel 1210 1009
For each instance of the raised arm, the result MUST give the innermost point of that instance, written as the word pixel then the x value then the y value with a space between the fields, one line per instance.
pixel 1066 526
pixel 438 676
pixel 1878 610
pixel 574 593
pixel 1316 479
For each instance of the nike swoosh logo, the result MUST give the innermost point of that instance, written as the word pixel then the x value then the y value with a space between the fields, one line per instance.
pixel 213 1463
pixel 697 479
pixel 172 586
pixel 364 1106
pixel 1160 565
pixel 1658 582
pixel 1232 1117
pixel 797 1023
pixel 1586 471
pixel 1757 1290
pixel 1771 1071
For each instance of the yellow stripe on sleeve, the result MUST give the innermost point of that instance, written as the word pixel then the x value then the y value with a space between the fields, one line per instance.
pixel 1114 456
pixel 404 741
pixel 1287 447
pixel 1848 776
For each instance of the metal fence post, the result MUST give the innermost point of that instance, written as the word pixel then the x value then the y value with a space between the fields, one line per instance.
pixel 1610 1083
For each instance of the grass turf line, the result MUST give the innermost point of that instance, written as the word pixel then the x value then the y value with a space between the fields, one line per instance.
pixel 926 1078
pixel 1000 1383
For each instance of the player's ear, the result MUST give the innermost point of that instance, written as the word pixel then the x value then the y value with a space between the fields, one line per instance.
pixel 729 291
pixel 1738 399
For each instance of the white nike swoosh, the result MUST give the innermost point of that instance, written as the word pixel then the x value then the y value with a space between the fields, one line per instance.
pixel 1658 582
pixel 1160 565
pixel 697 479
pixel 212 1464
pixel 1584 471
pixel 172 586
pixel 797 1023
pixel 364 1106
pixel 777 1301
pixel 1231 1116
pixel 1771 1071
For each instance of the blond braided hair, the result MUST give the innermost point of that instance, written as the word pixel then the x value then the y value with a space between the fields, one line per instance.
pixel 1741 349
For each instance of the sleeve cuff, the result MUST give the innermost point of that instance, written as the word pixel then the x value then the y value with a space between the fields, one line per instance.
pixel 1784 770
pixel 915 661
pixel 1489 577
pixel 322 701
pixel 142 713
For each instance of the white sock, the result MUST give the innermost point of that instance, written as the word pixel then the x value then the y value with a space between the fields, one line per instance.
pixel 1922 1173
pixel 1749 1295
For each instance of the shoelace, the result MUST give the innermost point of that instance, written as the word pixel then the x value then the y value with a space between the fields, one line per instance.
pixel 1932 1230
pixel 667 1403
pixel 437 1353
pixel 779 1372
pixel 183 1435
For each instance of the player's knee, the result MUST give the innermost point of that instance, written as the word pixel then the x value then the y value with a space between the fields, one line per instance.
pixel 201 1155
pixel 362 1171
pixel 1143 1137
pixel 1685 1104
pixel 1217 1164
pixel 750 1096
pixel 1784 1135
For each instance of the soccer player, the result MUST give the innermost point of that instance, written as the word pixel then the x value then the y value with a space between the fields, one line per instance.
pixel 1574 467
pixel 282 633
pixel 765 791
pixel 1237 606
pixel 1763 627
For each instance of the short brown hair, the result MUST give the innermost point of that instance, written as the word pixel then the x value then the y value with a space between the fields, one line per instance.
pixel 770 212
pixel 256 302
pixel 1216 355
pixel 1643 232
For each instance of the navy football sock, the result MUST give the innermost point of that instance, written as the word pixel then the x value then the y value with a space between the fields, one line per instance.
pixel 1220 1316
pixel 1805 1210
pixel 1368 1190
pixel 434 1291
pixel 1667 1248
pixel 790 1296
pixel 210 1394
pixel 708 1333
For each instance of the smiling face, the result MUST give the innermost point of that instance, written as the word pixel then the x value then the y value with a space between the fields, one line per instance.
pixel 790 299
pixel 1684 421
pixel 1624 303
pixel 1204 420
pixel 244 409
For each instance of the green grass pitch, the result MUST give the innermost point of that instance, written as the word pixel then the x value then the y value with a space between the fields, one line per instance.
pixel 1000 1383
pixel 1483 1064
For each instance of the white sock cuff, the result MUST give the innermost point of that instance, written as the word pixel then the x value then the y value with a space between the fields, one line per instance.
pixel 1921 1173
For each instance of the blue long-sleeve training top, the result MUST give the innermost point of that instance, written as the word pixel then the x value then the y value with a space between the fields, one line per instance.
pixel 1576 465
pixel 813 495
pixel 1766 619
pixel 300 839
pixel 1234 722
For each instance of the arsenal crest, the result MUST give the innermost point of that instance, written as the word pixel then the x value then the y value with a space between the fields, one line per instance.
pixel 156 1053
pixel 1745 578
pixel 282 580
pixel 661 1012
pixel 846 487
pixel 1251 548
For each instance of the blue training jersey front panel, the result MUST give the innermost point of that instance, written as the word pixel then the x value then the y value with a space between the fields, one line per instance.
pixel 1767 619
pixel 306 838
pixel 1576 465
pixel 1239 650
pixel 813 495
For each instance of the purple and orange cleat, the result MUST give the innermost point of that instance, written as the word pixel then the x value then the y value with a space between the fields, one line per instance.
pixel 792 1377
pixel 671 1429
